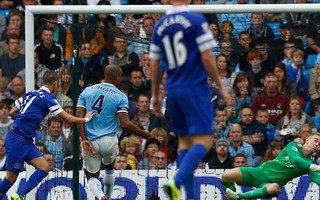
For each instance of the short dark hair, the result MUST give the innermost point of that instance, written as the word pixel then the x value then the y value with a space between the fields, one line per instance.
pixel 152 141
pixel 50 77
pixel 54 119
pixel 12 37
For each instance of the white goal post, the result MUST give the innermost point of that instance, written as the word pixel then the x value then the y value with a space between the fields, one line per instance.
pixel 30 11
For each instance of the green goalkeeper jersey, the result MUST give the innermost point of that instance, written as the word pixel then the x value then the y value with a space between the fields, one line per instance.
pixel 289 164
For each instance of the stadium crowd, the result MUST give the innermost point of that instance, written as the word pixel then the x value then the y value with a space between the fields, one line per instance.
pixel 268 62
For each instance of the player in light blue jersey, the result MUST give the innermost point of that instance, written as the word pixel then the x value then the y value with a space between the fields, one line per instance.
pixel 30 111
pixel 99 136
pixel 183 41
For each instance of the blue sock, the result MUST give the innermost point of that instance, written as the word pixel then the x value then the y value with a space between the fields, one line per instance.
pixel 190 162
pixel 5 185
pixel 181 155
pixel 188 185
pixel 33 181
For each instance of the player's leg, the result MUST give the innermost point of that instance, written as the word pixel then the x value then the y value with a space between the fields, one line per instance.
pixel 7 183
pixel 267 191
pixel 36 159
pixel 91 165
pixel 109 151
pixel 229 177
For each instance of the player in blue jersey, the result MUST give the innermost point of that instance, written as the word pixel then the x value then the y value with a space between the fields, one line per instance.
pixel 99 136
pixel 183 41
pixel 30 110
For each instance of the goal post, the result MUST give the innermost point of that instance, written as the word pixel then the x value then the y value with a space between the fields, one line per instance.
pixel 30 11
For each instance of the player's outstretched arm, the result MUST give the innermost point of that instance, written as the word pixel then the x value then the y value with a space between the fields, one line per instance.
pixel 86 144
pixel 14 111
pixel 125 123
pixel 315 177
pixel 296 159
pixel 75 120
pixel 156 101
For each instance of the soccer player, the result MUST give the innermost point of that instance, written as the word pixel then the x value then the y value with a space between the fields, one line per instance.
pixel 293 161
pixel 183 41
pixel 30 111
pixel 99 137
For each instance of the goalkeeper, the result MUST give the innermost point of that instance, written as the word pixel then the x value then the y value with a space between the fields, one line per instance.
pixel 293 161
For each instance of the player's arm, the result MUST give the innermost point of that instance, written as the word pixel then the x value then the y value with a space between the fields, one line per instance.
pixel 14 111
pixel 86 144
pixel 156 101
pixel 296 159
pixel 126 124
pixel 75 120
pixel 211 67
pixel 315 177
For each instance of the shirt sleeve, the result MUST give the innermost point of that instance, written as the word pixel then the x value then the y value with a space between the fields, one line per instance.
pixel 315 177
pixel 295 157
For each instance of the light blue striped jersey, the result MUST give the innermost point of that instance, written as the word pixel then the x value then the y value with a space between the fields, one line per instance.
pixel 106 101
pixel 33 107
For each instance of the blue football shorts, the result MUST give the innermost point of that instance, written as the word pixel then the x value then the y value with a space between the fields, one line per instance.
pixel 18 151
pixel 190 110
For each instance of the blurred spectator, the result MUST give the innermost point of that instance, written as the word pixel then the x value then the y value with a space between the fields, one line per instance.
pixel 273 151
pixel 288 48
pixel 160 160
pixel 17 87
pixel 56 143
pixel 3 156
pixel 120 162
pixel 242 51
pixel 226 29
pixel 274 101
pixel 13 29
pixel 244 91
pixel 315 104
pixel 304 133
pixel 152 146
pixel 130 24
pixel 62 19
pixel 51 161
pixel 16 17
pixel 123 58
pixel 4 92
pixel 290 123
pixel 238 145
pixel 65 81
pixel 146 68
pixel 41 147
pixel 240 160
pixel 314 82
pixel 221 123
pixel 254 133
pixel 40 69
pixel 5 119
pixel 268 59
pixel 227 50
pixel 241 21
pixel 232 109
pixel 67 128
pixel 131 146
pixel 283 85
pixel 146 119
pixel 59 31
pixel 263 117
pixel 295 74
pixel 12 62
pixel 137 85
pixel 215 30
pixel 161 135
pixel 286 31
pixel 313 35
pixel 259 29
pixel 222 158
pixel 255 72
pixel 226 75
pixel 50 53
pixel 211 17
pixel 90 69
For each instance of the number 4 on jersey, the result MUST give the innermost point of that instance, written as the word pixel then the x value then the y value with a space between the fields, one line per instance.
pixel 97 105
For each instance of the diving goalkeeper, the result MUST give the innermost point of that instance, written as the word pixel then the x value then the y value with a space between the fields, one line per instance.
pixel 293 161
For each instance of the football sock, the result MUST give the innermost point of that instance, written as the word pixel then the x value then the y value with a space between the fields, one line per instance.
pixel 95 187
pixel 33 181
pixel 5 185
pixel 108 180
pixel 189 184
pixel 231 186
pixel 189 163
pixel 257 193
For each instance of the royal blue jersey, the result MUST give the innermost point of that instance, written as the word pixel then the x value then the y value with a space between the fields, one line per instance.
pixel 178 39
pixel 33 108
pixel 106 101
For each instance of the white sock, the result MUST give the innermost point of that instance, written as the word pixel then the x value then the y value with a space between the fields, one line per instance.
pixel 108 180
pixel 95 187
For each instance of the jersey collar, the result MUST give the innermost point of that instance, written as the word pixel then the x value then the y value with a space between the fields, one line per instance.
pixel 177 9
pixel 45 88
